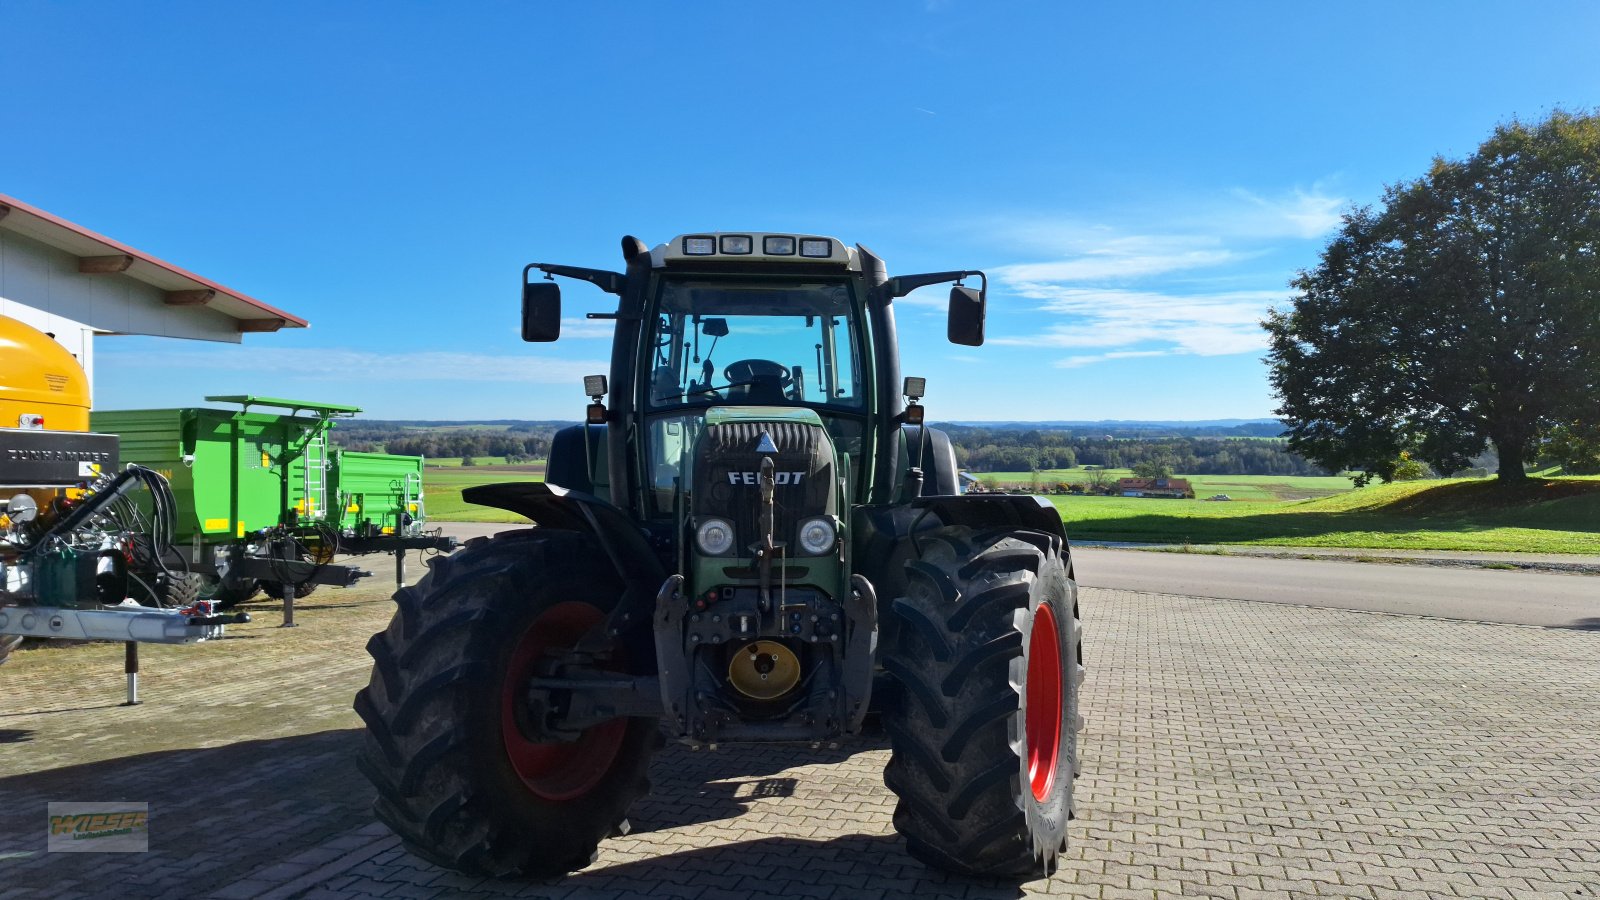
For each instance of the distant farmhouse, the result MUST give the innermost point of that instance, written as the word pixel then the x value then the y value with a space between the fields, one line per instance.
pixel 1167 488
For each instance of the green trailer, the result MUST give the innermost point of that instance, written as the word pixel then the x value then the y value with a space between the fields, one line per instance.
pixel 263 500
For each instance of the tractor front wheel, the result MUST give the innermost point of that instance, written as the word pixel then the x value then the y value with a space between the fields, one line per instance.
pixel 461 776
pixel 984 726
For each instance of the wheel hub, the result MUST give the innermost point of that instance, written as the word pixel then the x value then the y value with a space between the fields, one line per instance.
pixel 1042 718
pixel 555 771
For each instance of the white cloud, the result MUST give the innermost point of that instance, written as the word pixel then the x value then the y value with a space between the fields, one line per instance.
pixel 1177 289
pixel 1075 362
pixel 339 363
pixel 1214 324
pixel 587 328
pixel 1300 213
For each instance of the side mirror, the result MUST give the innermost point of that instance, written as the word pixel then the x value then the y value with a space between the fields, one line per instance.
pixel 715 328
pixel 541 311
pixel 966 316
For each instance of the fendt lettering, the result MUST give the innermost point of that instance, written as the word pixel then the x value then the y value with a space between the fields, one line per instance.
pixel 653 599
pixel 755 477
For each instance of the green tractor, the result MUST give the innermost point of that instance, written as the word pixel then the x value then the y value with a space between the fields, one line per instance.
pixel 757 541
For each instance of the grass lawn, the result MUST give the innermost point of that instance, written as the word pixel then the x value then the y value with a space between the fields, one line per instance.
pixel 1239 487
pixel 444 485
pixel 1556 515
pixel 1560 515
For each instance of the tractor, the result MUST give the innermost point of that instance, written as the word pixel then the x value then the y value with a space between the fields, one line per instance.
pixel 757 540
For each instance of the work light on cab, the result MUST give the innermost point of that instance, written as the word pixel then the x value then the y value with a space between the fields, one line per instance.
pixel 773 245
pixel 736 244
pixel 817 248
pixel 699 245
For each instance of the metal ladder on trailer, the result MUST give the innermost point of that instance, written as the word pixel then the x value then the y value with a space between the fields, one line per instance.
pixel 412 493
pixel 315 462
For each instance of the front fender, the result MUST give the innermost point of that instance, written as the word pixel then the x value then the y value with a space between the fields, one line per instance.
pixel 557 507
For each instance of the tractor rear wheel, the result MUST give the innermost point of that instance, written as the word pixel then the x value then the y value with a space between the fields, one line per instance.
pixel 459 778
pixel 984 727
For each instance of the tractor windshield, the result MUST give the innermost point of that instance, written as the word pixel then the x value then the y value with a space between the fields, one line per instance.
pixel 747 343
pixel 754 343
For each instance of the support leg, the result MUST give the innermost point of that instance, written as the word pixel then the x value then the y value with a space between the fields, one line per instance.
pixel 287 592
pixel 130 665
pixel 399 569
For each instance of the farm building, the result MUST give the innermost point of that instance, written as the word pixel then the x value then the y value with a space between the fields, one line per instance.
pixel 74 284
pixel 1165 488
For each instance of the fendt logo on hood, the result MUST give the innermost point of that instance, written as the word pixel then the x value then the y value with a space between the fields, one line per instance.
pixel 755 477
pixel 765 445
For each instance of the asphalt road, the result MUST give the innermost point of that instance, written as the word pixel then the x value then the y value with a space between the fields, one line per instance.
pixel 1474 594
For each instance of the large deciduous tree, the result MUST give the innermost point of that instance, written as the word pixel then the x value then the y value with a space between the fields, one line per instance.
pixel 1462 311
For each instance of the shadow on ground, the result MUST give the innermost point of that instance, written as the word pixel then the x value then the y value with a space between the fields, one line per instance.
pixel 857 865
pixel 215 814
pixel 266 801
pixel 1590 624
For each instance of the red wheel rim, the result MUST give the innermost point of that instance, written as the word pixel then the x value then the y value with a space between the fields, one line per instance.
pixel 555 771
pixel 1043 715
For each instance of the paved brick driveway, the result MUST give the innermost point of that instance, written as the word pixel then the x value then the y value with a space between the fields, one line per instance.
pixel 1235 750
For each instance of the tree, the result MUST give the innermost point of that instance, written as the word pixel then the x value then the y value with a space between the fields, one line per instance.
pixel 1464 312
pixel 468 461
pixel 1408 469
pixel 1158 468
pixel 1575 446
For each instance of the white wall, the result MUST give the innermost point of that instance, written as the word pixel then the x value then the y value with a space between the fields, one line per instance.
pixel 47 279
pixel 41 286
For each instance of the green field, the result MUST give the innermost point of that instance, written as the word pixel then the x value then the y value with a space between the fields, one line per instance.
pixel 1549 516
pixel 1558 515
pixel 444 485
pixel 448 462
pixel 1239 487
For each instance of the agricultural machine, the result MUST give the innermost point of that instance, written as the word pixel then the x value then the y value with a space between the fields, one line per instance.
pixel 264 502
pixel 756 541
pixel 81 541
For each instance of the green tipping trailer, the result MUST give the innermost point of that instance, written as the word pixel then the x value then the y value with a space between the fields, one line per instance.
pixel 264 501
pixel 376 493
pixel 234 472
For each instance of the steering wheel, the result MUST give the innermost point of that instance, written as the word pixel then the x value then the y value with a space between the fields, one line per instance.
pixel 747 370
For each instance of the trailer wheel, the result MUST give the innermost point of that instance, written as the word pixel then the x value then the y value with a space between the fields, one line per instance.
pixel 231 594
pixel 458 778
pixel 183 590
pixel 983 729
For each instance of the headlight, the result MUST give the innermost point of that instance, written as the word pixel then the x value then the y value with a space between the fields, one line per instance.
pixel 817 536
pixel 715 537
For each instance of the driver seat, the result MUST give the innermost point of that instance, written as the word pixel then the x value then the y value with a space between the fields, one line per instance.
pixel 763 388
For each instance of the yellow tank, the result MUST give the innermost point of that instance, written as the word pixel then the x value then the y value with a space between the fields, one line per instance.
pixel 38 377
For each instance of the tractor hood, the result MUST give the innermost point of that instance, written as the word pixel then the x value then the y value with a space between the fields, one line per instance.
pixel 728 461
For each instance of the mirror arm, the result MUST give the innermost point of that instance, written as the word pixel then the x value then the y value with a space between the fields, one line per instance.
pixel 901 285
pixel 610 282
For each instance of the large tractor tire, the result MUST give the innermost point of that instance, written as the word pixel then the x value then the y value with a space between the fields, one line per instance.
pixel 457 777
pixel 984 726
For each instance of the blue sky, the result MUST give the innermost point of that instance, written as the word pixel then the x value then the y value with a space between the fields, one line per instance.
pixel 1140 181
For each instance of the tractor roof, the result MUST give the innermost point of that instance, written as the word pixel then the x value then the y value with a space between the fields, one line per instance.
pixel 725 247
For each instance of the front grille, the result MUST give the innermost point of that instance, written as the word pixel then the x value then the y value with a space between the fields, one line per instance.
pixel 727 483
